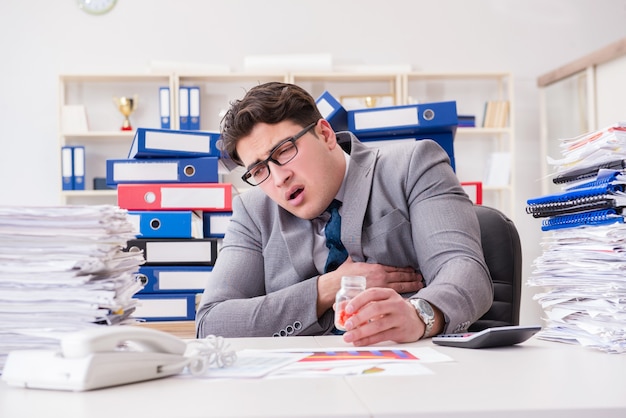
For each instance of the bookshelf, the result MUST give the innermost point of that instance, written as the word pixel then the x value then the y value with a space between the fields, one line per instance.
pixel 97 123
pixel 104 140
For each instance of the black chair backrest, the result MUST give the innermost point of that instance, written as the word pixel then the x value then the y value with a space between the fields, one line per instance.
pixel 503 254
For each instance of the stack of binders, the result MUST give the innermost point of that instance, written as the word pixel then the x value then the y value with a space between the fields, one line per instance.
pixel 170 186
pixel 385 125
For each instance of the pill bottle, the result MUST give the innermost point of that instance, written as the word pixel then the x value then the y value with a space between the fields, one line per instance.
pixel 350 287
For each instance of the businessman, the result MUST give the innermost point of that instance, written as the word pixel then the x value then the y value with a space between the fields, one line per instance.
pixel 405 224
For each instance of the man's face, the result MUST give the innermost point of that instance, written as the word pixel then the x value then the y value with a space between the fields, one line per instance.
pixel 306 185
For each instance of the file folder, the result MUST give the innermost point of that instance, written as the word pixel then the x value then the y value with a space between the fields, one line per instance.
pixel 183 107
pixel 167 251
pixel 332 110
pixel 444 139
pixel 174 279
pixel 163 170
pixel 403 120
pixel 167 224
pixel 164 107
pixel 194 108
pixel 166 307
pixel 214 197
pixel 78 159
pixel 171 143
pixel 67 168
pixel 215 223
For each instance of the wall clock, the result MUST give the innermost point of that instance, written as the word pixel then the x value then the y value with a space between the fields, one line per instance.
pixel 96 7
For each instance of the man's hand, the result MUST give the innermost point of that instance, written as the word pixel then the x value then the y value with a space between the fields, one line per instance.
pixel 399 279
pixel 381 315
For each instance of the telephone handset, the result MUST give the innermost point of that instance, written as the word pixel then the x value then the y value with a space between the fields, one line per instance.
pixel 100 357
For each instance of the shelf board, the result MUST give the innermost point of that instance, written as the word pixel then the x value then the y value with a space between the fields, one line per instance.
pixel 100 134
pixel 88 193
pixel 483 131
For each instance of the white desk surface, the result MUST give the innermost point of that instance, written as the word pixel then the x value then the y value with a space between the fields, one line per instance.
pixel 536 378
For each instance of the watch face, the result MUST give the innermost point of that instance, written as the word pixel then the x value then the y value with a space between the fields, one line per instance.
pixel 96 7
pixel 426 308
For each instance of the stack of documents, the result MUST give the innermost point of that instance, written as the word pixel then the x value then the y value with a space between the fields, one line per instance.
pixel 62 269
pixel 583 265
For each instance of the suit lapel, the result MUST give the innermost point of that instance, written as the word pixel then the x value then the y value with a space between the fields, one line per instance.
pixel 298 235
pixel 356 196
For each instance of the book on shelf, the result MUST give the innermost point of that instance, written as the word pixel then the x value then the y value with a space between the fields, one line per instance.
pixel 496 114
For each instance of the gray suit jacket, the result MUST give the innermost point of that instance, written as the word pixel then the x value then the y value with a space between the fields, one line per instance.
pixel 403 206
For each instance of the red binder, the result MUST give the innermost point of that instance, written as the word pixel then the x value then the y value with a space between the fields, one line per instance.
pixel 210 197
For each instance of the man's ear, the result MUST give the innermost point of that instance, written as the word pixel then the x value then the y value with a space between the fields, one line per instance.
pixel 327 134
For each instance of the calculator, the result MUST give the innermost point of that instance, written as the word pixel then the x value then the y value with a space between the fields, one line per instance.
pixel 490 337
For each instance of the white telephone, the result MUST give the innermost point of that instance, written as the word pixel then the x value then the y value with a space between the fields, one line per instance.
pixel 97 358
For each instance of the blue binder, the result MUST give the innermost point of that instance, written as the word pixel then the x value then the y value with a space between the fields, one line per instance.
pixel 78 159
pixel 444 139
pixel 172 143
pixel 164 107
pixel 67 168
pixel 166 306
pixel 163 170
pixel 167 224
pixel 215 223
pixel 332 110
pixel 183 107
pixel 174 279
pixel 424 118
pixel 194 108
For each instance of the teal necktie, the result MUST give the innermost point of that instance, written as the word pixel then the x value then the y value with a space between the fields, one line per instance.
pixel 337 252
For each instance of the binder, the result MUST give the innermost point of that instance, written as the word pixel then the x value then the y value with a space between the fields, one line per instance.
pixel 78 158
pixel 166 306
pixel 67 168
pixel 588 172
pixel 164 107
pixel 183 107
pixel 403 120
pixel 194 108
pixel 174 279
pixel 167 224
pixel 333 111
pixel 474 190
pixel 213 197
pixel 592 218
pixel 179 251
pixel 444 139
pixel 171 143
pixel 577 200
pixel 163 170
pixel 215 224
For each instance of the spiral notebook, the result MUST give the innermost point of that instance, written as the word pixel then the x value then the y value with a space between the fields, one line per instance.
pixel 607 196
pixel 588 172
pixel 593 218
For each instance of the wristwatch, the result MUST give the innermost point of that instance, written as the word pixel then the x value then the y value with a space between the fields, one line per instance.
pixel 426 313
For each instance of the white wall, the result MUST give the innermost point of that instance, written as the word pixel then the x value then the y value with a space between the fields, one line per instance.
pixel 41 38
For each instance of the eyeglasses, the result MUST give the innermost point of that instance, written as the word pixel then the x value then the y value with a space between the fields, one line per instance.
pixel 280 155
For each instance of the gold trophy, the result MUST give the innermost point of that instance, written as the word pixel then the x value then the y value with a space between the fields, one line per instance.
pixel 126 105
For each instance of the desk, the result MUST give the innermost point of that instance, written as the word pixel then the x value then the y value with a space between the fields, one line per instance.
pixel 536 378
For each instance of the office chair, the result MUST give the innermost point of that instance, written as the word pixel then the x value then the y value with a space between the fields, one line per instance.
pixel 503 254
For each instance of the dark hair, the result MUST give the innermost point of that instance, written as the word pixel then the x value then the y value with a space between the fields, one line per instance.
pixel 269 103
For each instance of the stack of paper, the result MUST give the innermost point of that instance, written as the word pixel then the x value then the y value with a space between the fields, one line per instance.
pixel 583 272
pixel 583 265
pixel 62 269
